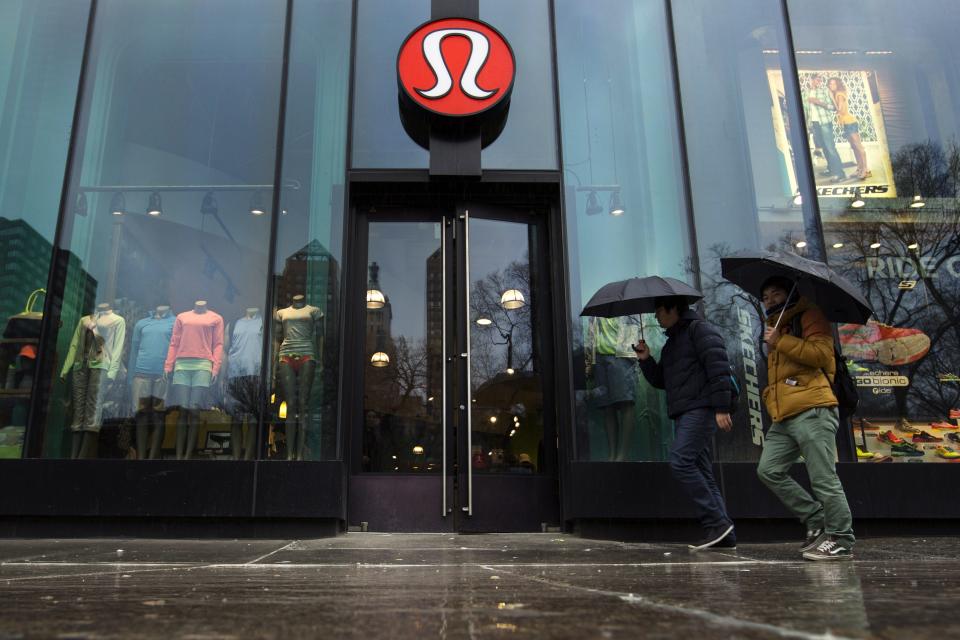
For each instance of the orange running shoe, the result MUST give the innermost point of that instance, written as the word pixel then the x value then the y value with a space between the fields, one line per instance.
pixel 890 437
pixel 878 342
pixel 955 414
pixel 943 425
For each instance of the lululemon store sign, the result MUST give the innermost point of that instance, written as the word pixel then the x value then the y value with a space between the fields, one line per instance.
pixel 455 69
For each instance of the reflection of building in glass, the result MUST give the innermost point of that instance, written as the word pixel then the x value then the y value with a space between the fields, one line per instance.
pixel 379 321
pixel 25 256
pixel 435 319
pixel 313 272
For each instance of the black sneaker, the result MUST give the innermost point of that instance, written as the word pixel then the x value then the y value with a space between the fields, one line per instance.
pixel 714 537
pixel 729 543
pixel 829 549
pixel 814 538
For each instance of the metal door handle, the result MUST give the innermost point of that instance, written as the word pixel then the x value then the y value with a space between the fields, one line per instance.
pixel 443 323
pixel 466 319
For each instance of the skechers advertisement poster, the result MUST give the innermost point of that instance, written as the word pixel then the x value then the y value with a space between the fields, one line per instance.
pixel 845 127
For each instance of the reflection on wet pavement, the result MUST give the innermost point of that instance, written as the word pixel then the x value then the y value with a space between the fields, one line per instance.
pixel 448 586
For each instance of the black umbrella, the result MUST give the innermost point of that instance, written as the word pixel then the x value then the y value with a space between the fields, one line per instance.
pixel 636 295
pixel 837 297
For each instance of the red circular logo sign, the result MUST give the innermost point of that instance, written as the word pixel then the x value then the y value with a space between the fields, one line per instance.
pixel 456 67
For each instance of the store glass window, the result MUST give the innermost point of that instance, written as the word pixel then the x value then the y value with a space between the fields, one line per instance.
pixel 625 210
pixel 378 140
pixel 890 215
pixel 529 137
pixel 304 337
pixel 41 45
pixel 165 238
pixel 736 91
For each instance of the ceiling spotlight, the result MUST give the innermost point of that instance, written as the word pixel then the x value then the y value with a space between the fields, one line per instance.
pixel 282 411
pixel 838 245
pixel 417 450
pixel 917 202
pixel 801 244
pixel 80 205
pixel 616 206
pixel 375 299
pixel 510 371
pixel 493 419
pixel 154 206
pixel 875 245
pixel 593 204
pixel 913 246
pixel 512 299
pixel 256 208
pixel 118 204
pixel 209 205
pixel 380 359
pixel 484 322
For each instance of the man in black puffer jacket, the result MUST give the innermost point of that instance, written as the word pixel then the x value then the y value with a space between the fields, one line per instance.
pixel 695 371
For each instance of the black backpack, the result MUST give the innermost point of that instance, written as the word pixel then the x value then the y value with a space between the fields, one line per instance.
pixel 843 385
pixel 735 385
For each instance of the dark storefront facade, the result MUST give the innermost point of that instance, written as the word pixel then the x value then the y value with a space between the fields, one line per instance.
pixel 248 280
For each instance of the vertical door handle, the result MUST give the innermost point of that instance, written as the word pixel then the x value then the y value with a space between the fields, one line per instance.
pixel 443 359
pixel 466 319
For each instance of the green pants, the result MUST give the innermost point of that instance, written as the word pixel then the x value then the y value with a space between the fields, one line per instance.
pixel 811 434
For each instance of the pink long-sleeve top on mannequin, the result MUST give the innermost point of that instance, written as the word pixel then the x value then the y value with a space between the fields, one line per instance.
pixel 196 335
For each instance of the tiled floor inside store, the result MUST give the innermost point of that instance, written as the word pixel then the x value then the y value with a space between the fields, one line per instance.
pixel 368 585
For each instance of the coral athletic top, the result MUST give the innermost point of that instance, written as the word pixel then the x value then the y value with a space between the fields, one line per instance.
pixel 196 335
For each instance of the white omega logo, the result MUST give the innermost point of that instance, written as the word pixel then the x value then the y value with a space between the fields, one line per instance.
pixel 479 51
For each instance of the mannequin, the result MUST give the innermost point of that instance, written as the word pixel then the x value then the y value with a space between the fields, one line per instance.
pixel 615 371
pixel 298 329
pixel 193 359
pixel 94 359
pixel 243 380
pixel 148 350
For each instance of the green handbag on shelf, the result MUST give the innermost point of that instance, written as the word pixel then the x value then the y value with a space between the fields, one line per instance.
pixel 26 324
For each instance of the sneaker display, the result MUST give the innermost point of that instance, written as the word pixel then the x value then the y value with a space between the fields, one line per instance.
pixel 866 425
pixel 954 437
pixel 878 342
pixel 829 549
pixel 814 538
pixel 856 369
pixel 714 536
pixel 947 453
pixel 881 458
pixel 864 455
pixel 890 437
pixel 942 425
pixel 904 449
pixel 954 414
pixel 904 425
pixel 923 436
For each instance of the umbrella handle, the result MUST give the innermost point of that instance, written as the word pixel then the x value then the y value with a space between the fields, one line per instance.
pixel 784 310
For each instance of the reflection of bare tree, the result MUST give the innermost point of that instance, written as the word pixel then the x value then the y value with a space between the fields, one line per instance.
pixel 507 342
pixel 245 393
pixel 920 247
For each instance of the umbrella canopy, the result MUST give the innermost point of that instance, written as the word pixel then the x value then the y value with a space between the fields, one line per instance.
pixel 636 295
pixel 837 297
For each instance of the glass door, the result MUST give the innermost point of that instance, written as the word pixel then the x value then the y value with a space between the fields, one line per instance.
pixel 452 430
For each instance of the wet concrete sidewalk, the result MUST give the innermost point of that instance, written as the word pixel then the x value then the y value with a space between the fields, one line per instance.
pixel 367 585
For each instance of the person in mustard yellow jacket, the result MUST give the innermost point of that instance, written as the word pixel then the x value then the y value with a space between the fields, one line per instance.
pixel 801 402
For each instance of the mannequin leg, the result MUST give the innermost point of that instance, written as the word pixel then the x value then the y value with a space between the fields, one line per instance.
pixel 288 381
pixel 156 434
pixel 179 399
pixel 85 444
pixel 197 395
pixel 143 434
pixel 610 424
pixel 625 420
pixel 307 371
pixel 237 445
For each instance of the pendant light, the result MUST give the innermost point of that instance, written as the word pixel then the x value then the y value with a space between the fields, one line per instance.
pixel 118 204
pixel 80 205
pixel 380 359
pixel 857 200
pixel 375 299
pixel 593 204
pixel 209 205
pixel 512 299
pixel 256 208
pixel 917 202
pixel 616 205
pixel 154 206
